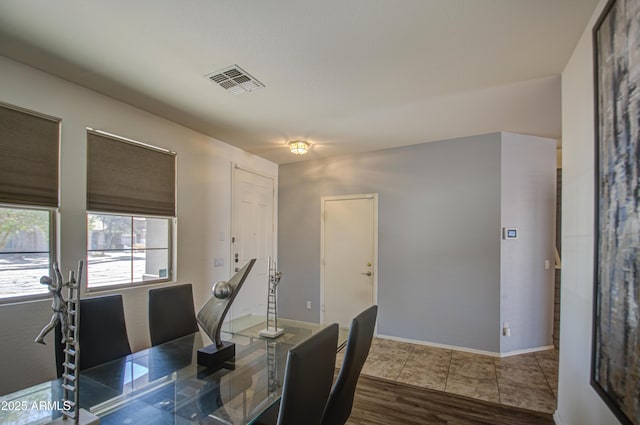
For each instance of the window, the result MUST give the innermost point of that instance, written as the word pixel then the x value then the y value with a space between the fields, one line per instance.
pixel 30 144
pixel 131 205
pixel 25 250
pixel 127 249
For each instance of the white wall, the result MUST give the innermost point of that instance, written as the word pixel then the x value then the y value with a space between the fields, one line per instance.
pixel 204 207
pixel 578 403
pixel 527 202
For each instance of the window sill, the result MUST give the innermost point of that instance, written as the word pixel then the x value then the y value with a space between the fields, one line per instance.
pixel 125 286
pixel 24 299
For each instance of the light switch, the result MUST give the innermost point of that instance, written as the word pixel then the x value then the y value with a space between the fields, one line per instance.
pixel 218 262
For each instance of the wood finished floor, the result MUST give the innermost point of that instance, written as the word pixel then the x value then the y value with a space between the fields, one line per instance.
pixel 404 383
pixel 382 402
pixel 527 381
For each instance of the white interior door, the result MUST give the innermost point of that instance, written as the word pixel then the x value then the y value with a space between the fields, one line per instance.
pixel 349 256
pixel 252 237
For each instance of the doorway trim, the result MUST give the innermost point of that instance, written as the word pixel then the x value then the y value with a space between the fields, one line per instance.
pixel 325 199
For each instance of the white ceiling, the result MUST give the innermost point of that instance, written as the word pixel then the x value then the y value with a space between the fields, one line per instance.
pixel 347 75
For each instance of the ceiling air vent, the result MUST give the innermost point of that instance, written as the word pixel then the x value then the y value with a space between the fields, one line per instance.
pixel 235 80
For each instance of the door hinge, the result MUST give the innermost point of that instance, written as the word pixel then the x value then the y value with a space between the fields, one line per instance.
pixel 323 308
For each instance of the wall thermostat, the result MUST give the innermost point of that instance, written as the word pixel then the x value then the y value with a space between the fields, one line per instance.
pixel 509 233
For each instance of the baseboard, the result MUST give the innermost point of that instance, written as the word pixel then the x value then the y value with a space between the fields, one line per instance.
pixel 527 350
pixel 556 418
pixel 466 349
pixel 436 345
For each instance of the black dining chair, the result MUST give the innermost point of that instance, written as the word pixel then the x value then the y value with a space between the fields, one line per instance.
pixel 307 381
pixel 340 403
pixel 103 332
pixel 171 313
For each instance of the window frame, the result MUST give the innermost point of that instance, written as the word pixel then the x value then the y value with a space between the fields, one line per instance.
pixel 133 284
pixel 53 253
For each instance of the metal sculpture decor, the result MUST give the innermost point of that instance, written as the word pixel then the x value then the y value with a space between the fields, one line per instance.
pixel 66 313
pixel 615 370
pixel 272 330
pixel 211 316
pixel 59 305
pixel 273 383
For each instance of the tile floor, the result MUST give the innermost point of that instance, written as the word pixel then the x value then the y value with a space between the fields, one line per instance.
pixel 529 381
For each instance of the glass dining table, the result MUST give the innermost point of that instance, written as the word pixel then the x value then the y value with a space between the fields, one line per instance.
pixel 165 385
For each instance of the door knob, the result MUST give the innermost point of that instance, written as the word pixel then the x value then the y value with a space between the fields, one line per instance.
pixel 367 273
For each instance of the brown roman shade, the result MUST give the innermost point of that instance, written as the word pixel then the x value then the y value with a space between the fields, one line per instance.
pixel 128 177
pixel 29 145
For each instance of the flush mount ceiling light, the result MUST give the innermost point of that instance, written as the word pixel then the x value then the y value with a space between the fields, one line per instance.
pixel 298 147
pixel 235 80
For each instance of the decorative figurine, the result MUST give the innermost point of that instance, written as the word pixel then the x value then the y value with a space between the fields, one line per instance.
pixel 211 316
pixel 58 305
pixel 66 313
pixel 272 330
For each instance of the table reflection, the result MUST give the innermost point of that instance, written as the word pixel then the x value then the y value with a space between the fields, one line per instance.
pixel 164 384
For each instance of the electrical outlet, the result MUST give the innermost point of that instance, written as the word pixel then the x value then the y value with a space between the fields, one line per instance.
pixel 308 305
pixel 506 330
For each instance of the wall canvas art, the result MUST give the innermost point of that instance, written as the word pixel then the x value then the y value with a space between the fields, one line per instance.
pixel 615 371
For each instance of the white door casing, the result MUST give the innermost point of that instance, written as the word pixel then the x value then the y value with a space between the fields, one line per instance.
pixel 252 237
pixel 349 256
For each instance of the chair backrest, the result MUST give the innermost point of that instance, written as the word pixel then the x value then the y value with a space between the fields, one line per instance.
pixel 308 377
pixel 59 349
pixel 171 313
pixel 103 333
pixel 340 401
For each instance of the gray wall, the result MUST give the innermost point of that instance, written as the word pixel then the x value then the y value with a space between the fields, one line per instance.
pixel 528 203
pixel 439 244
